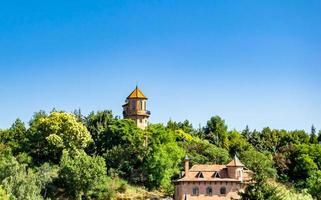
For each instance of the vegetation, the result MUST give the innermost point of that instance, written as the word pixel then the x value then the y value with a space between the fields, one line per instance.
pixel 62 155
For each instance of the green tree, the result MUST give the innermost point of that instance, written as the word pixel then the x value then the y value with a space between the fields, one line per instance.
pixel 118 138
pixel 313 136
pixel 314 184
pixel 260 164
pixel 246 133
pixel 49 135
pixel 262 191
pixel 18 181
pixel 81 174
pixel 185 126
pixel 237 143
pixel 202 152
pixel 305 167
pixel 216 132
pixel 15 136
pixel 306 160
pixel 163 157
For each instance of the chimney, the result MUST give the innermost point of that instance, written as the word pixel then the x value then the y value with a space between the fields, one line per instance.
pixel 186 162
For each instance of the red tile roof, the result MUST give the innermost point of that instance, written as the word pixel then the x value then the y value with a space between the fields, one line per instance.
pixel 235 163
pixel 207 168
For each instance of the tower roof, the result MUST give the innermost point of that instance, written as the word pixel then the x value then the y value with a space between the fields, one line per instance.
pixel 235 162
pixel 137 94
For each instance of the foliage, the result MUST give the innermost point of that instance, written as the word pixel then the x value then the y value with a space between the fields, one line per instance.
pixel 274 191
pixel 314 184
pixel 49 135
pixel 3 194
pixel 81 174
pixel 15 136
pixel 216 132
pixel 149 157
pixel 100 144
pixel 237 143
pixel 185 126
pixel 18 181
pixel 182 136
pixel 114 139
pixel 260 163
pixel 202 152
pixel 163 157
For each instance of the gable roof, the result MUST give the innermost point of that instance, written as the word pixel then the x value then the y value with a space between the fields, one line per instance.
pixel 235 163
pixel 137 94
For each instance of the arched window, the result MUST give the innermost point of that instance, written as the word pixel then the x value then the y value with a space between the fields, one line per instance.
pixel 209 191
pixel 196 191
pixel 223 190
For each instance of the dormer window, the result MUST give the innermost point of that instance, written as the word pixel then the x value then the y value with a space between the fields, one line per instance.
pixel 216 175
pixel 199 175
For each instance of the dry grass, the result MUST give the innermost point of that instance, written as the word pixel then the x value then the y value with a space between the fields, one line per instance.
pixel 138 193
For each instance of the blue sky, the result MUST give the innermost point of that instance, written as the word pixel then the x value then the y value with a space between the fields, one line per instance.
pixel 255 63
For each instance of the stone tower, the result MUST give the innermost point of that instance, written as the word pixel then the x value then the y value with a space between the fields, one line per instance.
pixel 135 108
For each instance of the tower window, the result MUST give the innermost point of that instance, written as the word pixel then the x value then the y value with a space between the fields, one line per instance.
pixel 133 104
pixel 140 120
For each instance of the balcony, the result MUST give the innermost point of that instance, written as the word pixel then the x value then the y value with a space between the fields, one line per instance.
pixel 136 112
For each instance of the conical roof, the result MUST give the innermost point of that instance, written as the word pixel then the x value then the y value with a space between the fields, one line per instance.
pixel 137 94
pixel 235 163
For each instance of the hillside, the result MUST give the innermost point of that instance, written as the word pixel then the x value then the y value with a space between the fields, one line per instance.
pixel 61 155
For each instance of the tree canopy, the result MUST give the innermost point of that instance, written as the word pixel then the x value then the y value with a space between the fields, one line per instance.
pixel 63 155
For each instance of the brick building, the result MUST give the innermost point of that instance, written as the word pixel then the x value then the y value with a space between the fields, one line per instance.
pixel 215 182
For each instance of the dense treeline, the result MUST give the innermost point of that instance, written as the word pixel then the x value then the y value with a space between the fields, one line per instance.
pixel 69 156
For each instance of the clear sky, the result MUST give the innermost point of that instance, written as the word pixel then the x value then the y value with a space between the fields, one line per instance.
pixel 255 63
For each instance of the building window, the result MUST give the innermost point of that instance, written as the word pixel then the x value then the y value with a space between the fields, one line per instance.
pixel 216 175
pixel 140 120
pixel 196 191
pixel 133 104
pixel 199 175
pixel 209 191
pixel 141 105
pixel 223 190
